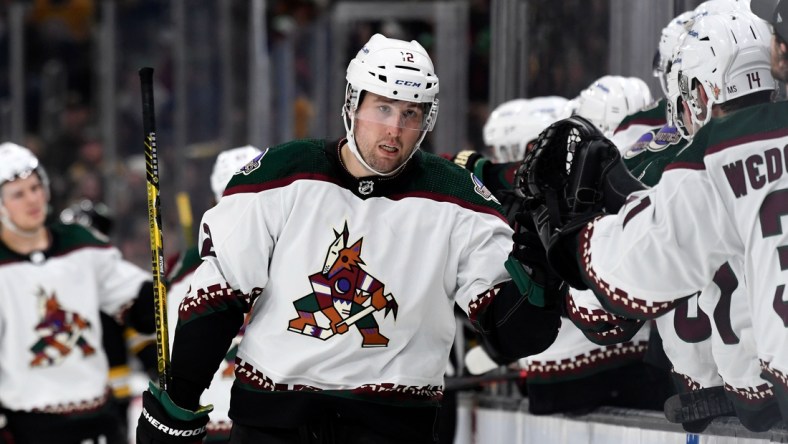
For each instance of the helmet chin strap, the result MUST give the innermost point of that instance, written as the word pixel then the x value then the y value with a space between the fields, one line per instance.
pixel 351 141
pixel 6 222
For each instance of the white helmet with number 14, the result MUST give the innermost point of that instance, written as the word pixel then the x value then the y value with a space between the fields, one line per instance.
pixel 726 55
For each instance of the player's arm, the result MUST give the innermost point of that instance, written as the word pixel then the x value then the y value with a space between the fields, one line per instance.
pixel 511 327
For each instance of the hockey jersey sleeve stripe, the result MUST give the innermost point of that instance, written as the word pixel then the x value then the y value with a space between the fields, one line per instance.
pixel 214 298
pixel 617 300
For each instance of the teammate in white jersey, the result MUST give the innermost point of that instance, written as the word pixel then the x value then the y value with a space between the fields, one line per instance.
pixel 350 257
pixel 665 243
pixel 54 281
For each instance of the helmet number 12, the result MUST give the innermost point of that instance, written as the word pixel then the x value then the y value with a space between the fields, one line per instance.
pixel 407 56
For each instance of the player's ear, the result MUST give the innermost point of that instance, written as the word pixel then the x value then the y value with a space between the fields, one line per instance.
pixel 704 98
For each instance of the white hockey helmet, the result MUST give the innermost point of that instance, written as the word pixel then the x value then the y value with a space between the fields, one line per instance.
pixel 228 163
pixel 605 103
pixel 713 7
pixel 395 69
pixel 674 106
pixel 668 40
pixel 638 94
pixel 513 124
pixel 18 162
pixel 728 55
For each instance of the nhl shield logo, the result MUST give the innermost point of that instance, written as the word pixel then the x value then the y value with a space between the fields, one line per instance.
pixel 365 187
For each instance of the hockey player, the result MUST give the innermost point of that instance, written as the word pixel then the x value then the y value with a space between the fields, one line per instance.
pixel 218 394
pixel 774 12
pixel 350 256
pixel 119 342
pixel 573 375
pixel 714 362
pixel 55 280
pixel 737 180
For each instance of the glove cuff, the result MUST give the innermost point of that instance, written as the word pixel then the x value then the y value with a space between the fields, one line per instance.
pixel 527 287
pixel 175 411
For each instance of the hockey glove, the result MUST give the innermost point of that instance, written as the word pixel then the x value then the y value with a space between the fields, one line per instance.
pixel 472 161
pixel 529 268
pixel 573 175
pixel 163 422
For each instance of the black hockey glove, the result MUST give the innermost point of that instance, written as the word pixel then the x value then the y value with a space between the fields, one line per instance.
pixel 573 175
pixel 530 270
pixel 163 422
pixel 471 161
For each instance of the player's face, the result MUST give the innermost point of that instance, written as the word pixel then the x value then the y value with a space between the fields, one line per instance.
pixel 25 201
pixel 685 116
pixel 386 131
pixel 778 60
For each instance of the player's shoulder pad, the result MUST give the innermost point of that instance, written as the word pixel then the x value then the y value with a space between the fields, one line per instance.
pixel 453 182
pixel 70 237
pixel 281 163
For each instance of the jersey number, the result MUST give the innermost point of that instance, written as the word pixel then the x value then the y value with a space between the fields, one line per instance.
pixel 773 208
pixel 690 322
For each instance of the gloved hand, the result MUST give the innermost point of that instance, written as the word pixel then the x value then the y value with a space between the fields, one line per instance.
pixel 472 161
pixel 530 270
pixel 163 422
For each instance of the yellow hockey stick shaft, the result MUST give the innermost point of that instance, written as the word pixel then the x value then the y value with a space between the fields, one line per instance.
pixel 154 219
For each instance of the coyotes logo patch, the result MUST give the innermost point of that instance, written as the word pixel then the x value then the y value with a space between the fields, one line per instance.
pixel 59 331
pixel 343 295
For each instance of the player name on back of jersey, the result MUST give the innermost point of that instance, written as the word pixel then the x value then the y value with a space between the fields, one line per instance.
pixel 756 170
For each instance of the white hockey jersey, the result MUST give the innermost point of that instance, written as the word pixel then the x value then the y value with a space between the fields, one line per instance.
pixel 667 242
pixel 51 355
pixel 353 281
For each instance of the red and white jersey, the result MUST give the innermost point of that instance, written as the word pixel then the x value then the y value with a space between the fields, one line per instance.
pixel 51 355
pixel 723 198
pixel 686 339
pixel 354 281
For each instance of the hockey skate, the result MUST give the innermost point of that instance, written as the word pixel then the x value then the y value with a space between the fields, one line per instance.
pixel 695 410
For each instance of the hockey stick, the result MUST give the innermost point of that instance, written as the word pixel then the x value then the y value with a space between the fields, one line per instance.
pixel 154 220
pixel 471 382
pixel 325 333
